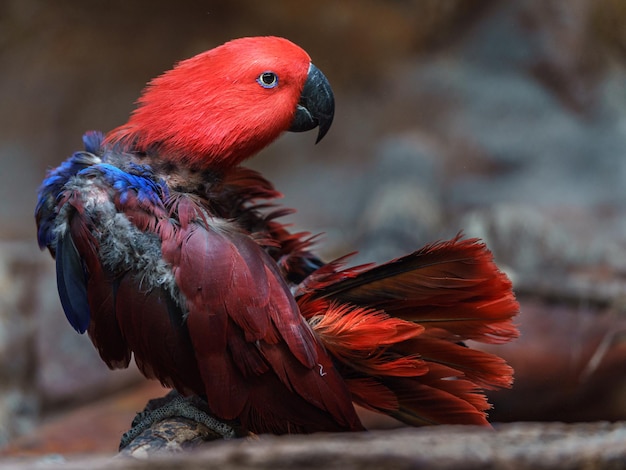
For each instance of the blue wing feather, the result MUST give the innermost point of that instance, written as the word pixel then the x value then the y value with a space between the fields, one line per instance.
pixel 137 180
pixel 72 284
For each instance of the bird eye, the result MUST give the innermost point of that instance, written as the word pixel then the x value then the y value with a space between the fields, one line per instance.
pixel 268 80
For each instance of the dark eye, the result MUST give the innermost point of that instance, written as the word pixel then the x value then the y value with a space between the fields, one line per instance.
pixel 268 80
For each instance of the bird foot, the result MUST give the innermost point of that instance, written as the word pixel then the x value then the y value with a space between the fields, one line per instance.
pixel 174 405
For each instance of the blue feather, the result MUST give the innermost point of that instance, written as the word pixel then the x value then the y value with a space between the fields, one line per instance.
pixel 141 182
pixel 72 284
pixel 92 140
pixel 52 186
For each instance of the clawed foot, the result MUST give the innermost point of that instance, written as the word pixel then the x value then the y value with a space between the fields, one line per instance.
pixel 174 405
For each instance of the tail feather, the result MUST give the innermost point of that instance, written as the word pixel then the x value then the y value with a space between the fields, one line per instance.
pixel 454 285
pixel 484 369
pixel 438 401
pixel 371 394
pixel 434 398
pixel 397 330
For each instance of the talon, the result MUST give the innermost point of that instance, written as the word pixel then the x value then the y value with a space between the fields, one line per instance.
pixel 175 405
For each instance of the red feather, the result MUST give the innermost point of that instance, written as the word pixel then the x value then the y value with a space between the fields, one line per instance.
pixel 246 326
pixel 437 401
pixel 398 326
pixel 362 337
pixel 452 285
pixel 163 350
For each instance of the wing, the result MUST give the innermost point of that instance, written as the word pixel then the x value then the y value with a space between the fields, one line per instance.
pixel 258 358
pixel 64 227
pixel 99 223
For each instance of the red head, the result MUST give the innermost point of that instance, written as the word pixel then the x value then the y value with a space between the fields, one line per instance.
pixel 222 106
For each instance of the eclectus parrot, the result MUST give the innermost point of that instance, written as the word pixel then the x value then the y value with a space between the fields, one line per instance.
pixel 166 251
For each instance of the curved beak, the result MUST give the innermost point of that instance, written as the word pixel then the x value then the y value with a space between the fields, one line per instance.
pixel 316 107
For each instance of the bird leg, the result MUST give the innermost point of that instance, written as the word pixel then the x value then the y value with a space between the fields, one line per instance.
pixel 174 405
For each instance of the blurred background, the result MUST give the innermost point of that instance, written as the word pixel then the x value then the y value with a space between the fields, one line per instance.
pixel 505 119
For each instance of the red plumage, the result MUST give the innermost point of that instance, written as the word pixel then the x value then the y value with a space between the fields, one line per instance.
pixel 400 326
pixel 214 297
pixel 202 108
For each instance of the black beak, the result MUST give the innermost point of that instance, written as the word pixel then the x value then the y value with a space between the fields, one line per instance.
pixel 316 107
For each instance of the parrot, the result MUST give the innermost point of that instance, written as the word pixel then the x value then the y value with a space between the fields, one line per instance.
pixel 168 250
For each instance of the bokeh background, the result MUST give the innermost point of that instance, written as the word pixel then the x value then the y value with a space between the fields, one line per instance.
pixel 505 119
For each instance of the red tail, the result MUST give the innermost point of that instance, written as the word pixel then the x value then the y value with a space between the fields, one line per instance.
pixel 397 330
